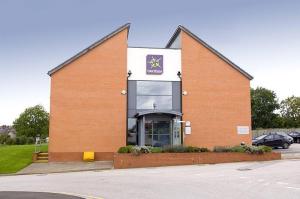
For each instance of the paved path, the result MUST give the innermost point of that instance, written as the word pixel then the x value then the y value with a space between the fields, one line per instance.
pixel 57 167
pixel 259 180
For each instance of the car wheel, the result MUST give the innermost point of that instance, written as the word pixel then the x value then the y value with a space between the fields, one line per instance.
pixel 285 146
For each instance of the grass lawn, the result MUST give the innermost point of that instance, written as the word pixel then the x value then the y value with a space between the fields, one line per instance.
pixel 15 157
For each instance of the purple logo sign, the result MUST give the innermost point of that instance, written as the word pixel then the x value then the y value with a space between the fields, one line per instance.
pixel 154 64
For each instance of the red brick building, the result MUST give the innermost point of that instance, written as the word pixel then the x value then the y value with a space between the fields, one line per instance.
pixel 110 95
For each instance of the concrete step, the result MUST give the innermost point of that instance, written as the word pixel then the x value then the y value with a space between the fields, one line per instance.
pixel 43 154
pixel 41 161
pixel 42 158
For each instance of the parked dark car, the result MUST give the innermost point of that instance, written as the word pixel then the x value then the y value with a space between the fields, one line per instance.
pixel 296 136
pixel 272 140
pixel 285 135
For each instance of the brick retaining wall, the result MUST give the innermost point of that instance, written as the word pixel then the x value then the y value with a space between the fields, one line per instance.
pixel 122 161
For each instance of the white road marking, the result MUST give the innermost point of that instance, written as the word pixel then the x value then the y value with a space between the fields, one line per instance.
pixel 282 183
pixel 297 188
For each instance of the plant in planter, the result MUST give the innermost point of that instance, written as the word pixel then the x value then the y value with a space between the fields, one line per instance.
pixel 137 150
pixel 125 149
pixel 156 149
pixel 243 149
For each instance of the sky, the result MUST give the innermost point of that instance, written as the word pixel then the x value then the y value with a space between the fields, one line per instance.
pixel 260 36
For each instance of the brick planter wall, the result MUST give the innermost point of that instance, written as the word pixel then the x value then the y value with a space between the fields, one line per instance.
pixel 122 161
pixel 78 156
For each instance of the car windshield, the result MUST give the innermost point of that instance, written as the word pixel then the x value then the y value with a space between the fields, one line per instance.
pixel 260 137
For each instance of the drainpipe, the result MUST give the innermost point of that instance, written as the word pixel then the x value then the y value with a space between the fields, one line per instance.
pixel 180 77
pixel 128 75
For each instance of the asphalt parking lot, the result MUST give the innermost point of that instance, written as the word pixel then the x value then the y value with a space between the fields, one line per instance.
pixel 294 148
pixel 272 179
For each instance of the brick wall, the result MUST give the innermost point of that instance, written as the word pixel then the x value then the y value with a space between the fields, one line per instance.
pixel 218 97
pixel 88 112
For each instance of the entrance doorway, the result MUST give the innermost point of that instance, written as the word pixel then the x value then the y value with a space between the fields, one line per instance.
pixel 158 132
pixel 159 129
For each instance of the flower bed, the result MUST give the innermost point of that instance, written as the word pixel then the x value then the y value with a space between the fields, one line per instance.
pixel 135 157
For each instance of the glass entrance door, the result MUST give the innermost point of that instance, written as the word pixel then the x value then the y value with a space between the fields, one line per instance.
pixel 157 132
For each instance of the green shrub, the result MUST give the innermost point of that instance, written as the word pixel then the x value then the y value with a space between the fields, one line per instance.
pixel 191 149
pixel 155 149
pixel 221 149
pixel 125 149
pixel 30 140
pixel 243 149
pixel 238 149
pixel 10 141
pixel 266 149
pixel 4 138
pixel 137 150
pixel 173 149
pixel 203 149
pixel 21 140
pixel 183 149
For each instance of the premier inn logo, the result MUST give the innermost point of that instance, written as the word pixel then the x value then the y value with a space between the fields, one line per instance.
pixel 154 64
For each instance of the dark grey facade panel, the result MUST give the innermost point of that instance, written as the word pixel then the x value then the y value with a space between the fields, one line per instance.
pixel 176 104
pixel 131 94
pixel 132 98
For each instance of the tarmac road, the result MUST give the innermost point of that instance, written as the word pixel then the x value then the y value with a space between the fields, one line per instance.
pixel 273 179
pixel 33 195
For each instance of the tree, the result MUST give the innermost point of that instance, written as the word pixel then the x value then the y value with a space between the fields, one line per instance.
pixel 32 122
pixel 290 111
pixel 264 103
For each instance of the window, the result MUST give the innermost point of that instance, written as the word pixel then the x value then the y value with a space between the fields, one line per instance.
pixel 154 94
pixel 154 88
pixel 160 102
pixel 269 137
pixel 277 137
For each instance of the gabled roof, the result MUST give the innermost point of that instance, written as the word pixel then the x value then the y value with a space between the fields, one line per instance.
pixel 97 43
pixel 182 28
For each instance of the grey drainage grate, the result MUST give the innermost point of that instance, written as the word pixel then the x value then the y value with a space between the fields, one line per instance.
pixel 244 169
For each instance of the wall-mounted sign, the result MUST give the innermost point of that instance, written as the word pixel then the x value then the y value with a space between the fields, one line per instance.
pixel 169 62
pixel 188 130
pixel 243 130
pixel 187 123
pixel 154 64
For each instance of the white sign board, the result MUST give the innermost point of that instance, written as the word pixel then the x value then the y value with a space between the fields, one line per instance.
pixel 243 130
pixel 169 60
pixel 187 123
pixel 188 130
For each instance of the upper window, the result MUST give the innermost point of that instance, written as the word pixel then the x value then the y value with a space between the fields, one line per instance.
pixel 154 88
pixel 154 95
pixel 154 102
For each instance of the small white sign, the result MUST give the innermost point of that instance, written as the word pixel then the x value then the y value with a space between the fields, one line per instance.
pixel 187 123
pixel 243 130
pixel 188 130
